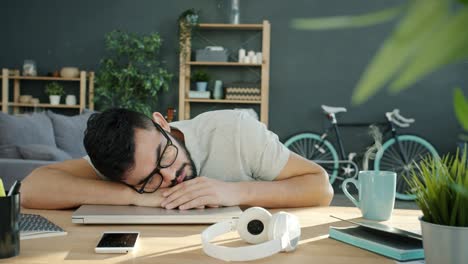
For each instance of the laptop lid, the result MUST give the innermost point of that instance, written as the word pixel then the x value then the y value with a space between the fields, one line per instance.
pixel 116 214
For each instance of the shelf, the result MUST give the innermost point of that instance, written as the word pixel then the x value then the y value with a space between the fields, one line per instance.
pixel 212 63
pixel 85 83
pixel 43 78
pixel 262 69
pixel 44 105
pixel 232 26
pixel 224 101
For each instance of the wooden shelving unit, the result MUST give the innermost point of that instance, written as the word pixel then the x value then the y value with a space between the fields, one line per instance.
pixel 186 64
pixel 44 105
pixel 209 63
pixel 233 26
pixel 43 78
pixel 86 83
pixel 224 101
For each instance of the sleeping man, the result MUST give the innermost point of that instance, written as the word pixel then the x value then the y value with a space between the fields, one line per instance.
pixel 219 158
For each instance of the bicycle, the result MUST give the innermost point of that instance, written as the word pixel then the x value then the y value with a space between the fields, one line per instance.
pixel 399 153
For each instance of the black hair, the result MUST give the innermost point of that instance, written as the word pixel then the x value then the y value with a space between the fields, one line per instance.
pixel 110 140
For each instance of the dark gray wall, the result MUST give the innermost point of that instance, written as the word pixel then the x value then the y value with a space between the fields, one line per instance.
pixel 308 68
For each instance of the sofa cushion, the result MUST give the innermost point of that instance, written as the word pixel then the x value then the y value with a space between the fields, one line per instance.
pixel 9 152
pixel 26 129
pixel 42 152
pixel 69 132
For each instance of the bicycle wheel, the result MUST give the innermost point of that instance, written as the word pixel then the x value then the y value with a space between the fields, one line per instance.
pixel 312 147
pixel 388 158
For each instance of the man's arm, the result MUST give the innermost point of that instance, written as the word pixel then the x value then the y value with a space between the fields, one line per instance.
pixel 73 183
pixel 300 183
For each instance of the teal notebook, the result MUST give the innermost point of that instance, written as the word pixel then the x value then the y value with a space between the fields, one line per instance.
pixel 388 244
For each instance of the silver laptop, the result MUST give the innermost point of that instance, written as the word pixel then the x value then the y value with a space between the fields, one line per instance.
pixel 115 214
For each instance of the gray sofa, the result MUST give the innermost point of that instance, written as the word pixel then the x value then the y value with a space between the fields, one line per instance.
pixel 33 140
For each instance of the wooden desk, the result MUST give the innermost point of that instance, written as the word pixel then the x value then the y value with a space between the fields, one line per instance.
pixel 182 244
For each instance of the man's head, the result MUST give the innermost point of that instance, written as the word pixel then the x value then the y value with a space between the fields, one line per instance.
pixel 129 147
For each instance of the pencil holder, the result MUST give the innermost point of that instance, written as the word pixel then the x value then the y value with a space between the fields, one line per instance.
pixel 9 226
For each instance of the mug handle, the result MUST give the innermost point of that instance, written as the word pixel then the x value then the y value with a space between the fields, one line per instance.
pixel 345 190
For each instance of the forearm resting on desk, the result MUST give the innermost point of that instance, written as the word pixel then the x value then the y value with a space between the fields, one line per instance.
pixel 299 191
pixel 49 188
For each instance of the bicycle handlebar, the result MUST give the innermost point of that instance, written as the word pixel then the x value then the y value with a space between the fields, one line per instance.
pixel 396 118
pixel 393 116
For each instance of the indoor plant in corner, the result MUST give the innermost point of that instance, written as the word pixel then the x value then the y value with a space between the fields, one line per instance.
pixel 54 91
pixel 131 76
pixel 441 189
pixel 201 79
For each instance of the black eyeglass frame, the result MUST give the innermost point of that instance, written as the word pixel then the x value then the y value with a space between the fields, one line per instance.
pixel 148 178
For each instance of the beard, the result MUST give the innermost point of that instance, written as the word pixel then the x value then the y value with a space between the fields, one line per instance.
pixel 190 164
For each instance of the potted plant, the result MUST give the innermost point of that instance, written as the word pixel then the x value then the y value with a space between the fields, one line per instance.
pixel 54 90
pixel 131 76
pixel 441 187
pixel 201 79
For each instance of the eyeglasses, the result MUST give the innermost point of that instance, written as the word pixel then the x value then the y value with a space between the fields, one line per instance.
pixel 153 181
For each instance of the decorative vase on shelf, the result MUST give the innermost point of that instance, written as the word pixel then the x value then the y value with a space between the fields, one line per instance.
pixel 54 99
pixel 234 17
pixel 70 72
pixel 218 90
pixel 201 86
pixel 70 100
pixel 29 68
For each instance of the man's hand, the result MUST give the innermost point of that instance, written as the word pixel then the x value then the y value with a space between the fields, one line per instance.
pixel 149 199
pixel 201 192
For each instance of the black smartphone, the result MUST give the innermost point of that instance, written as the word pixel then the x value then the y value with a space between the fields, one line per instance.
pixel 117 242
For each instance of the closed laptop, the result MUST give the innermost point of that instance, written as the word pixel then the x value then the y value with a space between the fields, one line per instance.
pixel 114 214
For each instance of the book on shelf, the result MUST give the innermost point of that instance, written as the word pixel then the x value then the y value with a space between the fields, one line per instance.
pixel 200 94
pixel 390 244
pixel 35 226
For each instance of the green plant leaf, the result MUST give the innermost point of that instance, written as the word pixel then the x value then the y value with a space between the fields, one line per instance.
pixel 443 47
pixel 413 31
pixel 339 22
pixel 460 104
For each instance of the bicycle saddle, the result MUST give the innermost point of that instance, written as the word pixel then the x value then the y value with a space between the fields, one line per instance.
pixel 333 110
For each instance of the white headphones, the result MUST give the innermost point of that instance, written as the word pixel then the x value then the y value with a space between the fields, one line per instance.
pixel 271 233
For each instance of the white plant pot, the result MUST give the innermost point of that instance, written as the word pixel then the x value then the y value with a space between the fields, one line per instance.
pixel 444 244
pixel 201 86
pixel 54 99
pixel 70 100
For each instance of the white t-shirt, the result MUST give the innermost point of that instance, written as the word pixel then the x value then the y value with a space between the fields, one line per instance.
pixel 232 146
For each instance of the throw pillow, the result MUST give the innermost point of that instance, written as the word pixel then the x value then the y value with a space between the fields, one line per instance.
pixel 69 132
pixel 26 129
pixel 42 152
pixel 9 152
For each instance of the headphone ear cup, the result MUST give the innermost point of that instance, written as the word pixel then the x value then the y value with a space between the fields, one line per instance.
pixel 253 225
pixel 281 224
